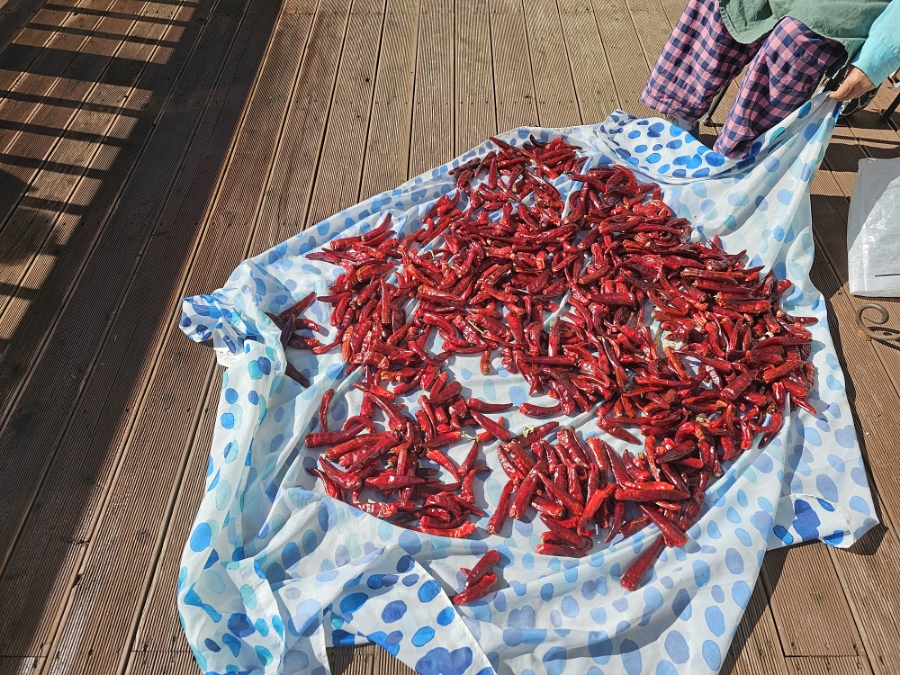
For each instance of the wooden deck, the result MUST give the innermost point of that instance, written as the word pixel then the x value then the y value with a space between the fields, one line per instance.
pixel 148 146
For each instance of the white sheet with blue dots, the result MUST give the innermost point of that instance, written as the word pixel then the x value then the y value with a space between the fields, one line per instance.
pixel 274 572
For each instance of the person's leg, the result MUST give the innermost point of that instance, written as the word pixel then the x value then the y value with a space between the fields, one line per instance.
pixel 781 77
pixel 699 60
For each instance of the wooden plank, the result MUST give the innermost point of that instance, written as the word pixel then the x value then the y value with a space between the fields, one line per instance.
pixel 811 613
pixel 159 628
pixel 593 80
pixel 114 589
pixel 80 56
pixel 33 250
pixel 353 660
pixel 557 104
pixel 385 161
pixel 112 578
pixel 513 82
pixel 868 574
pixel 20 665
pixel 127 236
pixel 22 62
pixel 390 122
pixel 620 38
pixel 66 361
pixel 828 665
pixel 755 647
pixel 163 663
pixel 476 111
pixel 14 16
pixel 341 159
pixel 286 199
pixel 652 26
pixel 385 664
pixel 432 141
pixel 72 356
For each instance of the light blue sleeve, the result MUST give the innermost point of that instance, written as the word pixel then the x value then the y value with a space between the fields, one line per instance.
pixel 880 54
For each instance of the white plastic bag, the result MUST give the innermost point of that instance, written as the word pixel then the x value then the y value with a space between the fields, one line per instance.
pixel 873 229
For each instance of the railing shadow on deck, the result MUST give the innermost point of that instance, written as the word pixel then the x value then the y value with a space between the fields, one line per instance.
pixel 106 212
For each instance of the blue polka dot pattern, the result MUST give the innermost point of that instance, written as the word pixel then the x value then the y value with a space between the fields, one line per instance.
pixel 273 569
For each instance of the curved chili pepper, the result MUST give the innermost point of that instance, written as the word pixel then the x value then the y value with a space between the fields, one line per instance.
pixel 476 591
pixel 632 577
pixel 481 568
pixel 468 482
pixel 494 429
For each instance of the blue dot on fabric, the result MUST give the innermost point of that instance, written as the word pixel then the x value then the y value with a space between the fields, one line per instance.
pixel 701 573
pixel 653 158
pixel 410 579
pixel 547 592
pixel 200 537
pixel 555 660
pixel 634 134
pixel 240 625
pixel 715 620
pixel 681 606
pixel 570 607
pixel 858 476
pixel 733 561
pixel 826 486
pixel 640 148
pixel 231 395
pixel 600 647
pixel 212 645
pixel 676 647
pixel 290 555
pixel 353 602
pixel 631 657
pixel 440 661
pixel 409 542
pixel 783 534
pixel 806 521
pixel 717 593
pixel 422 636
pixel 445 616
pixel 429 591
pixel 405 564
pixel 665 667
pixel 712 655
pixel 555 618
pixel 524 617
pixel 740 593
pixel 393 611
pixel 859 505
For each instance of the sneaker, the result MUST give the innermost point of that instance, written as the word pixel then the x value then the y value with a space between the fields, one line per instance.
pixel 692 128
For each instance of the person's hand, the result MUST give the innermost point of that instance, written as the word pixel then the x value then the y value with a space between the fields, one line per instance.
pixel 854 85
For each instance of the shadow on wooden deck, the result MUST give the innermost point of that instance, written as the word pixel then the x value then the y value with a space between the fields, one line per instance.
pixel 97 121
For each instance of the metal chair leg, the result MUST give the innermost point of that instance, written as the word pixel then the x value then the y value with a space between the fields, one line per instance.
pixel 706 120
pixel 886 115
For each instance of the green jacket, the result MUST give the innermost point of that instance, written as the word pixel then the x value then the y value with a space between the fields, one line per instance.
pixel 846 21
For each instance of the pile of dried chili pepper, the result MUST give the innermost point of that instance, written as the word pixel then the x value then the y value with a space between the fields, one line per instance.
pixel 599 300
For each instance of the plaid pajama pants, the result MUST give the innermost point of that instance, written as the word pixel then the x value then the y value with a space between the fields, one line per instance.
pixel 701 58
